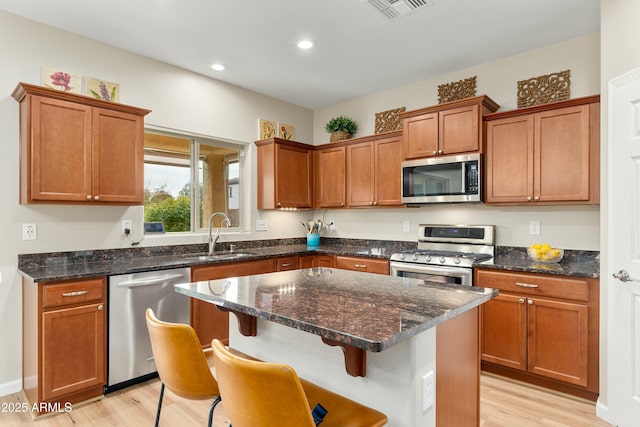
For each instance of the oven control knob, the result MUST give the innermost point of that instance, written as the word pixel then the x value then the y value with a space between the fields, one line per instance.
pixel 414 257
pixel 441 260
pixel 401 256
pixel 457 260
pixel 428 258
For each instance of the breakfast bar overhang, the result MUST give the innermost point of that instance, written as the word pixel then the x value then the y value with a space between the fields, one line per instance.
pixel 405 347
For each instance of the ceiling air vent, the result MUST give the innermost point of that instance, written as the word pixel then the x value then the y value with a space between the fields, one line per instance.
pixel 395 8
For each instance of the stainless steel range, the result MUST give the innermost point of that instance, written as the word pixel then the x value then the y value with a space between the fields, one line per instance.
pixel 446 253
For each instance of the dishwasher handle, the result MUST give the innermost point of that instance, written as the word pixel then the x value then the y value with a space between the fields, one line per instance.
pixel 156 280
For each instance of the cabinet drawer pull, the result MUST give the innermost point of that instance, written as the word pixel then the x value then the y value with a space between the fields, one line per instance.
pixel 286 264
pixel 360 265
pixel 526 285
pixel 75 294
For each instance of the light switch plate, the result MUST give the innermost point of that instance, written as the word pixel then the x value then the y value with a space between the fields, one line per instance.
pixel 534 227
pixel 406 226
pixel 427 391
pixel 262 225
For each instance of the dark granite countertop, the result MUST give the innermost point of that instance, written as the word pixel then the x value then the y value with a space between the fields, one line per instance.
pixel 53 267
pixel 574 263
pixel 365 310
pixel 59 266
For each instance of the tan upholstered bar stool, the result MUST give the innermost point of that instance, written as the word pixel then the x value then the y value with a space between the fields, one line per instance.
pixel 182 364
pixel 260 394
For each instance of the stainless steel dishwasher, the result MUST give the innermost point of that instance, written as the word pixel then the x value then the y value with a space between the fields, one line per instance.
pixel 130 357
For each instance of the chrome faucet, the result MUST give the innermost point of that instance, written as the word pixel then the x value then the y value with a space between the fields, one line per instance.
pixel 213 239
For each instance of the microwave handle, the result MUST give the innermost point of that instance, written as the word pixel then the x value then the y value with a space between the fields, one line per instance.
pixel 463 190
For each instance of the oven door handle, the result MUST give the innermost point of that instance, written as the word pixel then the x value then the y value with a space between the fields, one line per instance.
pixel 430 269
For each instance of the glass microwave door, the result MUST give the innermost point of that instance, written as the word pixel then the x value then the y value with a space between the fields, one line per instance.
pixel 433 180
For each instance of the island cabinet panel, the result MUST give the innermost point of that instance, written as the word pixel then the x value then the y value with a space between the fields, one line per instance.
pixel 208 321
pixel 374 171
pixel 331 176
pixel 445 129
pixel 285 169
pixel 64 340
pixel 542 329
pixel 367 265
pixel 75 149
pixel 546 156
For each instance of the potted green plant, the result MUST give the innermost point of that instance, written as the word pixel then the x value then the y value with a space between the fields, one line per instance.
pixel 341 127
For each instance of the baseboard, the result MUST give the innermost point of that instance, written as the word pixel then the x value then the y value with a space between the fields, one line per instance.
pixel 602 411
pixel 10 387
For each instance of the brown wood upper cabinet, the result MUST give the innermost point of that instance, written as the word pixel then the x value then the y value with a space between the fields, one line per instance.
pixel 285 169
pixel 77 149
pixel 546 154
pixel 373 171
pixel 331 177
pixel 449 128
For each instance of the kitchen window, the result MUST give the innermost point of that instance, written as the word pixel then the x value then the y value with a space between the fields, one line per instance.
pixel 188 178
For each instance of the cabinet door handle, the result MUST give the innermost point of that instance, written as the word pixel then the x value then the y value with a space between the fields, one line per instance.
pixel 100 307
pixel 360 265
pixel 96 198
pixel 75 294
pixel 88 196
pixel 439 151
pixel 536 198
pixel 528 198
pixel 526 285
pixel 530 301
pixel 521 300
pixel 435 152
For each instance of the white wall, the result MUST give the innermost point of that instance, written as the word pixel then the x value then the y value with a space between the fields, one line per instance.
pixel 571 227
pixel 180 100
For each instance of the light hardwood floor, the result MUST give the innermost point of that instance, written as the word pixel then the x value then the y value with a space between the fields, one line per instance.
pixel 504 403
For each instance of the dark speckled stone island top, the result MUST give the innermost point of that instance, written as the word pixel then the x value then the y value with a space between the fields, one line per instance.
pixel 368 311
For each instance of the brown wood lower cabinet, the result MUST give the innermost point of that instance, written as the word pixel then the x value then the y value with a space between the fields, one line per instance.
pixel 64 341
pixel 208 321
pixel 542 329
pixel 367 265
pixel 310 261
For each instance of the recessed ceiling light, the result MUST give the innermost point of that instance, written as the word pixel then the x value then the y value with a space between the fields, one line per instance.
pixel 305 44
pixel 219 67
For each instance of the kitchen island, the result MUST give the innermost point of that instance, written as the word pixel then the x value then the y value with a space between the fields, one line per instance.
pixel 376 339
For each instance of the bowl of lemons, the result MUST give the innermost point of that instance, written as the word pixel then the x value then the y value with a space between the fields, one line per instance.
pixel 543 252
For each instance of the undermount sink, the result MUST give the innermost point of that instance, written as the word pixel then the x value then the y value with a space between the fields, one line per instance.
pixel 219 256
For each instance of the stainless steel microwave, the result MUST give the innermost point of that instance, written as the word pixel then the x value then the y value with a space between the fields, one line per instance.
pixel 442 179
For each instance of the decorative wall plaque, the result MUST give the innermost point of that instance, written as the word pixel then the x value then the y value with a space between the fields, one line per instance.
pixel 457 90
pixel 387 121
pixel 544 89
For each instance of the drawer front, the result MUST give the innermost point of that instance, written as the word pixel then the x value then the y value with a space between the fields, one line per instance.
pixel 363 264
pixel 77 292
pixel 534 284
pixel 287 263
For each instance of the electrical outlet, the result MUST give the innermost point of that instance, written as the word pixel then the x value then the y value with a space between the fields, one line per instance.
pixel 427 391
pixel 534 227
pixel 406 226
pixel 126 224
pixel 29 232
pixel 262 225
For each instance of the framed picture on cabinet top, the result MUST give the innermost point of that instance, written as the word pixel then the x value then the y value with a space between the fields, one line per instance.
pixel 102 89
pixel 56 78
pixel 285 131
pixel 266 129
